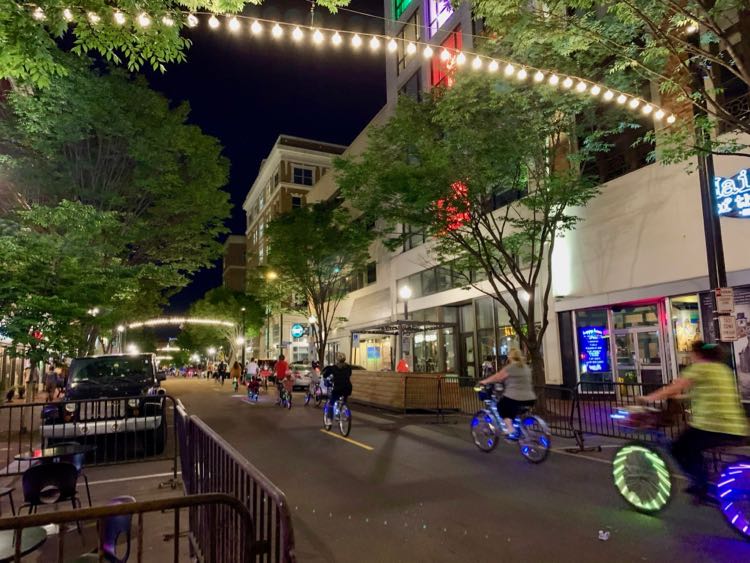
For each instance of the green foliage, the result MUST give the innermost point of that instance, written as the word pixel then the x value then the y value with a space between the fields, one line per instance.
pixel 107 140
pixel 440 166
pixel 28 47
pixel 314 250
pixel 58 265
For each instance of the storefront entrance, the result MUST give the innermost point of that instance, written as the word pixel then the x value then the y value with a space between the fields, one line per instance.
pixel 639 354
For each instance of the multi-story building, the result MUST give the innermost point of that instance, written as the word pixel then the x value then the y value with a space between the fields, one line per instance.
pixel 234 262
pixel 630 285
pixel 285 177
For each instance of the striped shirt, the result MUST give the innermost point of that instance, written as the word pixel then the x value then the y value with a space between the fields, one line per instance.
pixel 715 403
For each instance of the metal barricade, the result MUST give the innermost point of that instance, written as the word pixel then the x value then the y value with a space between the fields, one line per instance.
pixel 123 430
pixel 210 464
pixel 238 546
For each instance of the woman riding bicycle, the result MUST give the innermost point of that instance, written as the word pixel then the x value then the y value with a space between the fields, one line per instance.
pixel 717 416
pixel 519 391
pixel 340 375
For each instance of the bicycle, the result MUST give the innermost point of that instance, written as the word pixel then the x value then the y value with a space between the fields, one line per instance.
pixel 341 414
pixel 285 396
pixel 532 433
pixel 316 392
pixel 644 479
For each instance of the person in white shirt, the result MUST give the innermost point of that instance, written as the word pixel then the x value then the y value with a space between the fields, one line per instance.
pixel 251 369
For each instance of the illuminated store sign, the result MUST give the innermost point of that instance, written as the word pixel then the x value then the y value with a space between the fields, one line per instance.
pixel 733 194
pixel 594 349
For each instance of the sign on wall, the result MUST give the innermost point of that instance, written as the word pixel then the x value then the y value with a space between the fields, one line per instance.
pixel 298 331
pixel 733 194
pixel 593 349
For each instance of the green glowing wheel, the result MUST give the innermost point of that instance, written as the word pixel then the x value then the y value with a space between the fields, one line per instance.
pixel 642 477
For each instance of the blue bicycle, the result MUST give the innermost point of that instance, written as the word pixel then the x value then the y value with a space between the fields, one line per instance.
pixel 530 432
pixel 338 412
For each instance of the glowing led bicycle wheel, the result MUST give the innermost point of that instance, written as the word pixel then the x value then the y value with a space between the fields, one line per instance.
pixel 642 477
pixel 484 432
pixel 733 491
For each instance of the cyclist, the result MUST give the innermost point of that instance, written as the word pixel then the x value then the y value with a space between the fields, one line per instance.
pixel 340 376
pixel 519 391
pixel 718 418
pixel 280 371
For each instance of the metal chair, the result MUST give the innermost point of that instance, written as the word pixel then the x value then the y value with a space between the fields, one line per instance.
pixel 8 491
pixel 78 460
pixel 111 528
pixel 49 484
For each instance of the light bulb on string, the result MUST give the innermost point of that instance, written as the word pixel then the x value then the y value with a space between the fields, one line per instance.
pixel 554 80
pixel 318 37
pixel 119 18
pixel 167 20
pixel 671 119
pixel 595 89
pixel 256 28
pixel 144 20
pixel 648 108
pixel 509 69
pixel 460 59
pixel 581 86
pixel 493 66
pixel 568 82
pixel 277 31
pixel 445 55
pixel 192 21
pixel 538 76
pixel 234 24
pixel 522 74
pixel 392 45
pixel 374 43
pixel 336 39
pixel 356 41
pixel 411 48
pixel 634 103
pixel 67 15
pixel 297 34
pixel 622 98
pixel 659 114
pixel 476 64
pixel 38 15
pixel 213 22
pixel 428 52
pixel 608 95
pixel 94 18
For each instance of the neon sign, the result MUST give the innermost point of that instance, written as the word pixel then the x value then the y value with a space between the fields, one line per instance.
pixel 593 349
pixel 733 194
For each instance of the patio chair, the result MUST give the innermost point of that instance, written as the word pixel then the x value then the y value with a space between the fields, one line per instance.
pixel 50 484
pixel 78 460
pixel 111 528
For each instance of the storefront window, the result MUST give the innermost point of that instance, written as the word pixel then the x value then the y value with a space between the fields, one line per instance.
pixel 685 326
pixel 629 317
pixel 449 351
pixel 426 351
pixel 594 358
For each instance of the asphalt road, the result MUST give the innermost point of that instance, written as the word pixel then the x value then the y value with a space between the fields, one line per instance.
pixel 411 490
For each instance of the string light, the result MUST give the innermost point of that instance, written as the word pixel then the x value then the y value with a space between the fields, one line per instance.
pixel 411 47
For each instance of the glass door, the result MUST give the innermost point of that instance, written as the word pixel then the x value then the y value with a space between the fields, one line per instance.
pixel 639 356
pixel 468 346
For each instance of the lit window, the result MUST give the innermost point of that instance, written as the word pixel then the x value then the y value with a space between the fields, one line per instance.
pixel 399 7
pixel 302 176
pixel 439 12
pixel 442 71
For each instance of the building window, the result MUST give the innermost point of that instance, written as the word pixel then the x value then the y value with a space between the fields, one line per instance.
pixel 412 238
pixel 399 7
pixel 371 273
pixel 302 176
pixel 410 32
pixel 276 178
pixel 439 12
pixel 296 202
pixel 442 71
pixel 413 86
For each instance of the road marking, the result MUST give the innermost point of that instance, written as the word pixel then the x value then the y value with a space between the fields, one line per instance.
pixel 345 439
pixel 135 478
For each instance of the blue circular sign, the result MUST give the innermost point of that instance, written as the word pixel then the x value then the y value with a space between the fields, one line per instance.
pixel 297 330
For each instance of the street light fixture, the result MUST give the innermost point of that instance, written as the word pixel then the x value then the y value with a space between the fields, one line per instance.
pixel 242 337
pixel 271 275
pixel 405 294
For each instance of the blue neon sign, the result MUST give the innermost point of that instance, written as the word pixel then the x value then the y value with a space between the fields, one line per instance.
pixel 593 348
pixel 733 194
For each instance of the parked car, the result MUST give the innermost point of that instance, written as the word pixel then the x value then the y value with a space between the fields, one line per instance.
pixel 302 375
pixel 112 397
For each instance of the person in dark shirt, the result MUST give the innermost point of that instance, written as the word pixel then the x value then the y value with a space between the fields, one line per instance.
pixel 340 376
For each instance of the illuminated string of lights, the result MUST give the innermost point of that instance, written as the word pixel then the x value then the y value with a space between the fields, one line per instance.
pixel 319 36
pixel 180 321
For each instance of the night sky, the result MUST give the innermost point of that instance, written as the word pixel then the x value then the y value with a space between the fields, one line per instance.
pixel 246 91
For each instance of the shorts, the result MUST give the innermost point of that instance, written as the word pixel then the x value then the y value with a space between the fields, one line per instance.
pixel 510 408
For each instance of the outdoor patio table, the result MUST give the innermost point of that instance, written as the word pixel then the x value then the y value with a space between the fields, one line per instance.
pixel 55 453
pixel 31 539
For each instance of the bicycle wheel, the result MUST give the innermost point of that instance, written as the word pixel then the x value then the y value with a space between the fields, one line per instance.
pixel 642 477
pixel 318 396
pixel 345 419
pixel 484 431
pixel 327 421
pixel 308 396
pixel 288 400
pixel 733 492
pixel 534 439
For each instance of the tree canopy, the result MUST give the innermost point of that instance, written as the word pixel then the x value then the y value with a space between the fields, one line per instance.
pixel 493 175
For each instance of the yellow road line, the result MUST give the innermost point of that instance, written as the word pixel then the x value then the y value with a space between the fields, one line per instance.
pixel 345 439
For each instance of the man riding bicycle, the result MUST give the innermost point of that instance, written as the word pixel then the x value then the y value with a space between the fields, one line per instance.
pixel 280 370
pixel 340 376
pixel 718 418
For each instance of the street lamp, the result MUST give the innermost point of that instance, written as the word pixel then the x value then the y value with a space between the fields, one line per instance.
pixel 242 337
pixel 405 293
pixel 313 321
pixel 121 338
pixel 271 275
pixel 132 349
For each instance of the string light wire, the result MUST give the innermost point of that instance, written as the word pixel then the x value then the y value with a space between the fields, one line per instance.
pixel 318 35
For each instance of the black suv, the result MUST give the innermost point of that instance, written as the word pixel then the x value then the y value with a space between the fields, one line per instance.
pixel 109 396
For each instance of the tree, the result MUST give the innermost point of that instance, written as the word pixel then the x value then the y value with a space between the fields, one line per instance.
pixel 31 33
pixel 226 305
pixel 107 140
pixel 316 250
pixel 666 42
pixel 449 165
pixel 64 282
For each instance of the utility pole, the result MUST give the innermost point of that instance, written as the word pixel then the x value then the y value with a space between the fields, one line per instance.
pixel 244 344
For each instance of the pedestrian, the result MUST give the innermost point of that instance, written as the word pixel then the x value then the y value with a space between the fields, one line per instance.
pixel 235 373
pixel 50 383
pixel 717 416
pixel 280 369
pixel 252 369
pixel 403 365
pixel 222 372
pixel 488 367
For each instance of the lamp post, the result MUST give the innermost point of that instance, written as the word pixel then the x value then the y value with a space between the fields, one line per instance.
pixel 243 337
pixel 405 294
pixel 121 338
pixel 313 321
